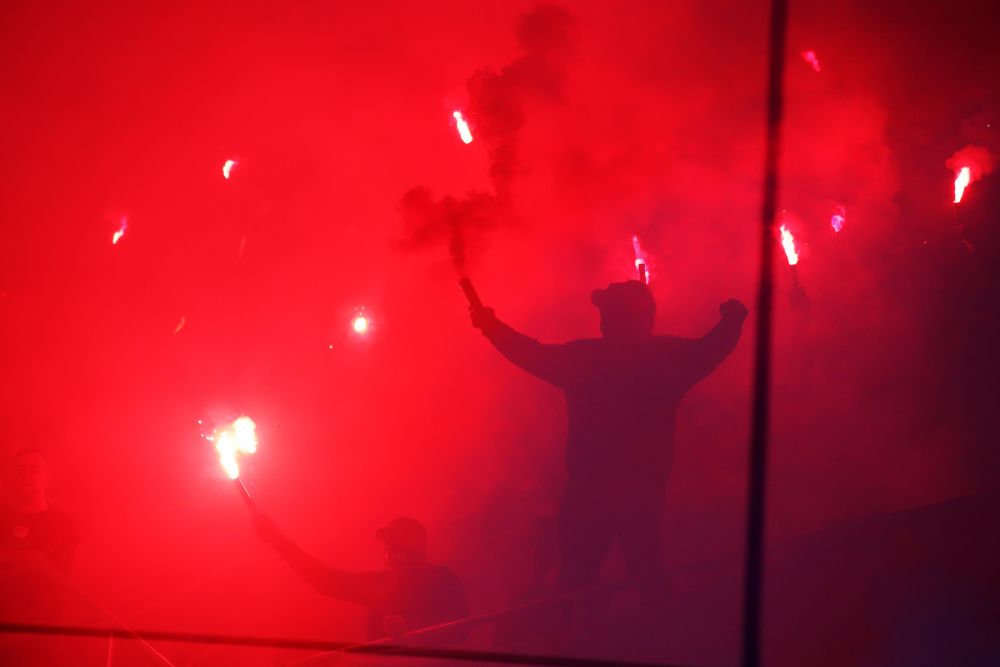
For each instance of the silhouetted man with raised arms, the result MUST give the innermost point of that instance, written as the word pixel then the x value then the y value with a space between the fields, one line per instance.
pixel 409 594
pixel 622 392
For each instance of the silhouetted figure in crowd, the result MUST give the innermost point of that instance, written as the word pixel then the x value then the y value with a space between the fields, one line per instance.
pixel 622 392
pixel 409 594
pixel 37 545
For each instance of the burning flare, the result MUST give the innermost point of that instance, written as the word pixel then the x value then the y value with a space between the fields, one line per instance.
pixel 227 168
pixel 117 236
pixel 463 127
pixel 641 264
pixel 240 437
pixel 788 243
pixel 962 179
pixel 360 325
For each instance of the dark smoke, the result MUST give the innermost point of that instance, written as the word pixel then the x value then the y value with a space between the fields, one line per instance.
pixel 497 111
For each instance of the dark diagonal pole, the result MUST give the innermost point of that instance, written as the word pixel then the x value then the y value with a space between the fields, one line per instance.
pixel 754 575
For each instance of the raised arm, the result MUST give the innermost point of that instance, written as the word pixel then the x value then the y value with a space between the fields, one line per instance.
pixel 547 362
pixel 706 353
pixel 351 587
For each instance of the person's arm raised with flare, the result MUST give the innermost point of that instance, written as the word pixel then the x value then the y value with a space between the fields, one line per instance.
pixel 544 361
pixel 360 588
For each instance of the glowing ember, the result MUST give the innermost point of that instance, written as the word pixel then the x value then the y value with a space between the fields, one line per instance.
pixel 240 437
pixel 180 325
pixel 117 236
pixel 360 325
pixel 811 58
pixel 463 127
pixel 227 168
pixel 962 180
pixel 788 243
pixel 838 218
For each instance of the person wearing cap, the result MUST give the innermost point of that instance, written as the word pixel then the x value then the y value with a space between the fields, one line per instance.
pixel 409 594
pixel 622 391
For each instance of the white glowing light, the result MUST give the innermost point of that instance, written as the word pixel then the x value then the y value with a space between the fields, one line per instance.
pixel 360 325
pixel 962 180
pixel 227 168
pixel 238 438
pixel 463 127
pixel 117 236
pixel 788 243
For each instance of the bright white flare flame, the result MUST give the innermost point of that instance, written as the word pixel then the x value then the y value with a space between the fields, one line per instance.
pixel 227 168
pixel 788 243
pixel 962 180
pixel 463 127
pixel 240 437
pixel 360 324
pixel 117 236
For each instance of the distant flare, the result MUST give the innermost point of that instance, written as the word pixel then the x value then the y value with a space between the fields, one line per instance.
pixel 463 127
pixel 788 243
pixel 838 218
pixel 227 168
pixel 813 60
pixel 641 264
pixel 360 325
pixel 117 236
pixel 180 325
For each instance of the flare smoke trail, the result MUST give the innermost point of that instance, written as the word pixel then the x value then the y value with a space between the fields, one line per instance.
pixel 496 107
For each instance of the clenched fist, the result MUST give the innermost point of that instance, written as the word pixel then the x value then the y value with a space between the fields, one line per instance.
pixel 733 309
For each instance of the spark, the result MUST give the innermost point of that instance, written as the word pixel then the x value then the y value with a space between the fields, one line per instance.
pixel 811 58
pixel 463 127
pixel 180 325
pixel 117 236
pixel 788 243
pixel 360 325
pixel 962 179
pixel 238 438
pixel 227 168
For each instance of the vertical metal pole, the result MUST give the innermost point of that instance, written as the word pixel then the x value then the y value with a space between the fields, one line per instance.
pixel 753 575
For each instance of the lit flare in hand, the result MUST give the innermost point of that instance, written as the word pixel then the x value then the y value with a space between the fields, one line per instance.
pixel 236 439
pixel 788 244
pixel 962 179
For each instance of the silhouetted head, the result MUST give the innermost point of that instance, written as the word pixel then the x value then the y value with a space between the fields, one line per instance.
pixel 627 310
pixel 28 478
pixel 405 542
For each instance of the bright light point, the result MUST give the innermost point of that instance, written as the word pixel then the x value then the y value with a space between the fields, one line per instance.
pixel 117 236
pixel 240 437
pixel 360 325
pixel 227 168
pixel 962 180
pixel 788 243
pixel 811 58
pixel 463 127
pixel 180 325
